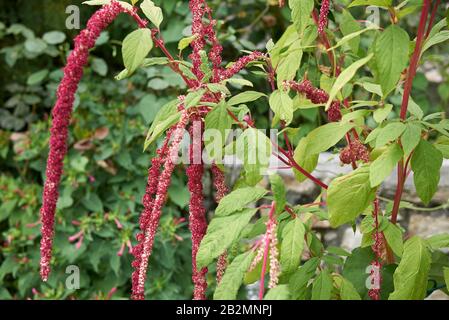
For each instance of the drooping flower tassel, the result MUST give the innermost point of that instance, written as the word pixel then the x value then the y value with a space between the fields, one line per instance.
pixel 324 11
pixel 197 216
pixel 317 96
pixel 140 265
pixel 61 114
pixel 240 64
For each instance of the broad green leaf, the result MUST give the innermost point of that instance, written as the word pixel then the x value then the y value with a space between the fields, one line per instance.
pixel 393 235
pixel 307 161
pixel 244 97
pixel 279 193
pixel 349 26
pixel 282 105
pixel 382 167
pixel 299 280
pixel 381 114
pixel 167 116
pixel 322 286
pixel 389 133
pixel 292 245
pixel 411 137
pixel 279 292
pixel 37 77
pixel 148 62
pixel 442 144
pixel 415 109
pixel 193 98
pixel 289 65
pixel 185 42
pixel 349 195
pixel 345 77
pixel 410 278
pixel 301 10
pixel 438 241
pixel 229 286
pixel 379 3
pixel 354 115
pixel 152 12
pixel 426 163
pixel 221 233
pixel 347 289
pixel 219 119
pixel 391 56
pixel 324 137
pixel 54 37
pixel 440 37
pixel 135 48
pixel 238 199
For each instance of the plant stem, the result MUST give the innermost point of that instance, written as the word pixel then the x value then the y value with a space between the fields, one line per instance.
pixel 405 99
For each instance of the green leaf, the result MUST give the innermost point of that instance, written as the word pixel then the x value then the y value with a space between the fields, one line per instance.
pixel 238 199
pixel 391 56
pixel 193 98
pixel 219 119
pixel 185 42
pixel 353 36
pixel 426 163
pixel 379 3
pixel 411 137
pixel 322 286
pixel 393 235
pixel 292 245
pixel 282 105
pixel 37 77
pixel 440 37
pixel 324 137
pixel 306 160
pixel 349 26
pixel 228 287
pixel 279 193
pixel 382 167
pixel 301 10
pixel 153 13
pixel 345 77
pixel 381 114
pixel 93 202
pixel 54 37
pixel 279 292
pixel 221 233
pixel 244 97
pixel 410 277
pixel 299 280
pixel 438 241
pixel 99 66
pixel 289 65
pixel 135 48
pixel 349 195
pixel 167 116
pixel 390 132
pixel 347 290
pixel 415 109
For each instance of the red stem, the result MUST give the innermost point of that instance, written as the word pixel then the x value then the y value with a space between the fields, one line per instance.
pixel 405 99
pixel 265 255
pixel 432 17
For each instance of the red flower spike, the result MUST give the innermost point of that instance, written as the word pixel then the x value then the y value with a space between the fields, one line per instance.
pixel 324 11
pixel 143 250
pixel 197 216
pixel 61 114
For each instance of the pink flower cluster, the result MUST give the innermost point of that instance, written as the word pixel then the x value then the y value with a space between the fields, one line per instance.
pixel 317 96
pixel 353 152
pixel 143 251
pixel 197 216
pixel 61 113
pixel 324 11
pixel 240 64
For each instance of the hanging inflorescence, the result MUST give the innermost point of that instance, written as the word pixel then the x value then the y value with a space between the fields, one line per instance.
pixel 163 164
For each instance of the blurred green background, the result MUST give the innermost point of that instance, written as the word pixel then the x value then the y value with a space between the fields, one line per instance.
pixel 105 171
